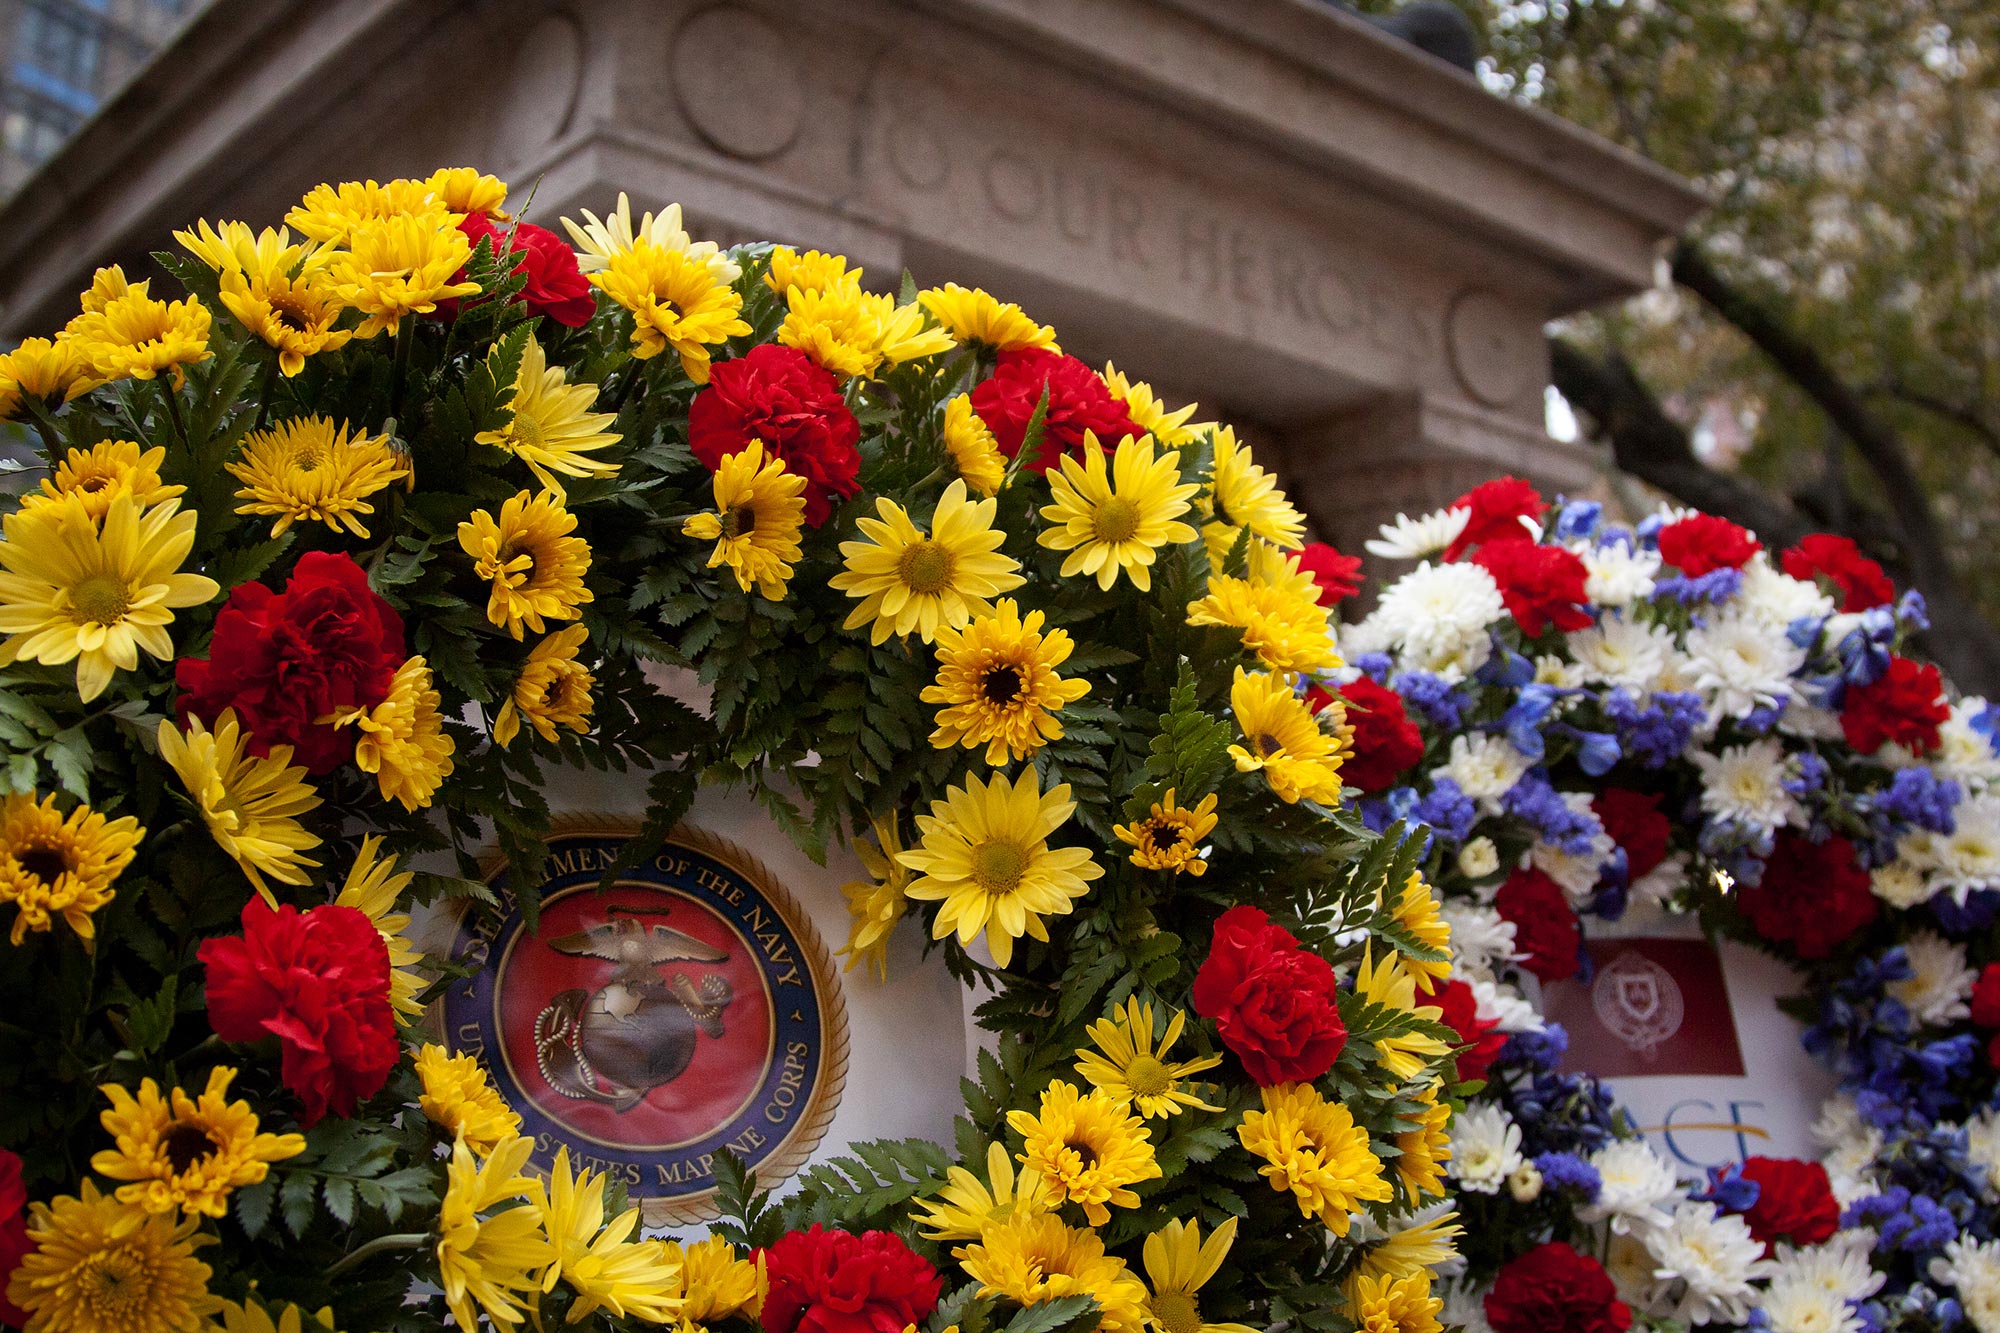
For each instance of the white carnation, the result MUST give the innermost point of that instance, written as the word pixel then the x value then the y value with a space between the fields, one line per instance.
pixel 1707 1262
pixel 1741 663
pixel 1746 784
pixel 1622 652
pixel 1434 609
pixel 1637 1182
pixel 1940 981
pixel 1485 1148
pixel 1617 574
pixel 1484 767
pixel 1414 538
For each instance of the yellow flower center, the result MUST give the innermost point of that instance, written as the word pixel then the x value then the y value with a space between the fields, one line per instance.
pixel 101 599
pixel 1002 685
pixel 1147 1076
pixel 1116 520
pixel 997 865
pixel 113 1285
pixel 527 431
pixel 92 483
pixel 184 1145
pixel 1176 1312
pixel 925 567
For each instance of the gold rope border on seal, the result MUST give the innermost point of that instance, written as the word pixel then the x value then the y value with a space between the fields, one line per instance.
pixel 811 1126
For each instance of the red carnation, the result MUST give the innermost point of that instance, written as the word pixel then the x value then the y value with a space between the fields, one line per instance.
pixel 1273 1001
pixel 778 395
pixel 1634 821
pixel 1541 585
pixel 1861 581
pixel 837 1282
pixel 1703 543
pixel 14 1243
pixel 1553 1289
pixel 1478 1036
pixel 556 286
pixel 1386 742
pixel 1338 576
pixel 1905 706
pixel 1497 506
pixel 1986 997
pixel 318 981
pixel 1078 402
pixel 1795 1202
pixel 1813 895
pixel 286 660
pixel 1545 926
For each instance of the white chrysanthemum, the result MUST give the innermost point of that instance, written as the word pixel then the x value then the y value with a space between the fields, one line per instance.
pixel 1480 937
pixel 1708 1262
pixel 1434 609
pixel 1577 872
pixel 1485 1148
pixel 1982 1148
pixel 1464 1304
pixel 1552 670
pixel 1968 858
pixel 1501 1005
pixel 1484 767
pixel 1637 1183
pixel 1451 660
pixel 1839 1121
pixel 1742 663
pixel 1681 675
pixel 1940 981
pixel 1617 651
pixel 1630 1267
pixel 1617 574
pixel 1793 1307
pixel 1778 597
pixel 1746 784
pixel 1809 721
pixel 1663 881
pixel 1901 884
pixel 1367 635
pixel 1964 752
pixel 1839 1267
pixel 1414 538
pixel 1974 1268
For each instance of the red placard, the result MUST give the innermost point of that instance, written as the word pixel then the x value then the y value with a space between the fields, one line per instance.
pixel 1653 1005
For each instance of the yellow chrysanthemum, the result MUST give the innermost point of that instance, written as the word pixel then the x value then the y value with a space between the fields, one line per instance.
pixel 1269 567
pixel 101 1266
pixel 975 454
pixel 760 510
pixel 986 856
pixel 1396 1305
pixel 967 1205
pixel 1313 1149
pixel 1242 494
pixel 1126 1065
pixel 251 1317
pixel 598 242
pixel 487 1263
pixel 54 372
pixel 1033 1257
pixel 713 1284
pixel 184 1153
pixel 1116 520
pixel 402 741
pixel 553 429
pixel 812 271
pixel 135 337
pixel 458 1098
pixel 534 565
pixel 468 190
pixel 1178 1263
pixel 851 332
pixel 251 805
pixel 1089 1148
pixel 1387 983
pixel 1416 911
pixel 1170 836
pixel 395 267
pixel 1423 1148
pixel 997 681
pixel 604 1269
pixel 912 580
pixel 297 315
pixel 309 470
pixel 1298 757
pixel 72 590
pixel 107 285
pixel 678 303
pixel 1150 414
pixel 55 865
pixel 552 691
pixel 1412 1249
pixel 1286 629
pixel 236 246
pixel 877 903
pixel 333 214
pixel 373 888
pixel 972 316
pixel 100 474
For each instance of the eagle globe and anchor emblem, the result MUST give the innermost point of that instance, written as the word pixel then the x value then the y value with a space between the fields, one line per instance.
pixel 687 1009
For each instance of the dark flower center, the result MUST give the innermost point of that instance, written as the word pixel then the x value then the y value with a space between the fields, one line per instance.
pixel 1002 685
pixel 1085 1153
pixel 186 1145
pixel 44 863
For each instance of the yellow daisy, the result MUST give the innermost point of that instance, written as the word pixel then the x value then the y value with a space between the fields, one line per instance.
pixel 712 1283
pixel 308 470
pixel 812 271
pixel 972 316
pixel 553 429
pixel 1178 1262
pixel 101 1266
pixel 334 214
pixel 599 242
pixel 1313 1149
pixel 1395 1305
pixel 295 314
pixel 72 590
pixel 593 1257
pixel 1150 414
pixel 251 1317
pixel 250 804
pixel 107 285
pixel 55 865
pixel 1118 520
pixel 395 267
pixel 100 474
pixel 1034 1257
pixel 760 510
pixel 1416 911
pixel 552 691
pixel 1242 494
pixel 54 372
pixel 967 1205
pixel 534 565
pixel 402 741
pixel 975 454
pixel 912 580
pixel 1412 1249
pixel 373 888
pixel 488 1263
pixel 1127 1065
pixel 1287 629
pixel 997 679
pixel 986 856
pixel 234 245
pixel 1088 1147
pixel 851 332
pixel 877 903
pixel 1387 984
pixel 186 1153
pixel 677 301
pixel 1170 836
pixel 458 1098
pixel 135 337
pixel 1287 744
pixel 468 190
pixel 1423 1148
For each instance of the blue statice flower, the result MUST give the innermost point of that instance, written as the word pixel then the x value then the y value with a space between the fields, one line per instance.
pixel 1759 721
pixel 1397 803
pixel 1441 703
pixel 1918 796
pixel 1657 729
pixel 1376 666
pixel 1567 1171
pixel 1577 519
pixel 1449 810
pixel 1903 1221
pixel 1811 775
pixel 1535 803
pixel 1718 585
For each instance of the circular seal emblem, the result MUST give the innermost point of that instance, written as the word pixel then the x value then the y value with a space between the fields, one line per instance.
pixel 688 1009
pixel 1638 1001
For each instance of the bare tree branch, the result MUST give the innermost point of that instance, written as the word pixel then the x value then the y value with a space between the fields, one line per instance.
pixel 1970 420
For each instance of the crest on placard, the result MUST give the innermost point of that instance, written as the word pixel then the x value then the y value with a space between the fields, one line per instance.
pixel 1638 1001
